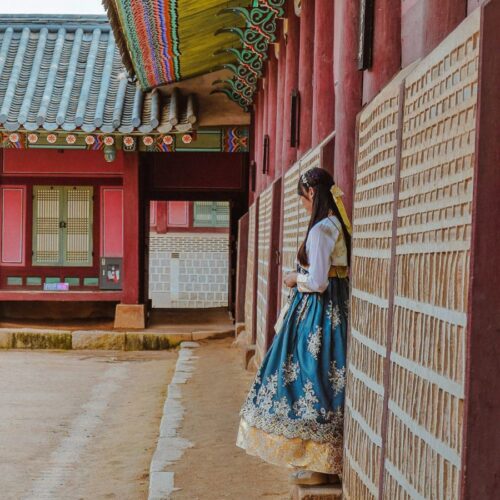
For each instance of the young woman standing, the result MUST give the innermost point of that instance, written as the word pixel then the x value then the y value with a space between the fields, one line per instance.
pixel 293 415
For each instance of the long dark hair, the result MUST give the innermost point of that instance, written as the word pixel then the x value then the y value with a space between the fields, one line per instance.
pixel 323 205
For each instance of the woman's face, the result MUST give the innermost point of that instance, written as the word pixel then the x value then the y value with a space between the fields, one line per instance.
pixel 307 199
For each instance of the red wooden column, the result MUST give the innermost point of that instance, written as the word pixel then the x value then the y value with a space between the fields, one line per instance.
pixel 348 91
pixel 291 82
pixel 280 50
pixel 265 112
pixel 480 456
pixel 386 48
pixel 261 104
pixel 306 72
pixel 323 112
pixel 161 217
pixel 440 19
pixel 131 314
pixel 241 269
pixel 271 114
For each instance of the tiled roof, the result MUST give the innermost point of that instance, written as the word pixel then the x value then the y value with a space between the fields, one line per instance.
pixel 65 72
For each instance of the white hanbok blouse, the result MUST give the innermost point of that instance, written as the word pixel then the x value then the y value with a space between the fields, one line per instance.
pixel 325 248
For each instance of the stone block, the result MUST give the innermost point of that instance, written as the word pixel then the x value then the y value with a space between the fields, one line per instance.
pixel 135 341
pixel 6 339
pixel 40 339
pixel 323 492
pixel 130 316
pixel 111 341
pixel 248 355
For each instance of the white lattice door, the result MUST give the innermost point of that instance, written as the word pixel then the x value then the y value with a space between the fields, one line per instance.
pixel 62 225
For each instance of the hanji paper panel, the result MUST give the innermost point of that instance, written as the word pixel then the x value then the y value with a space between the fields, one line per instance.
pixel 264 245
pixel 373 213
pixel 251 270
pixel 78 241
pixel 290 225
pixel 432 271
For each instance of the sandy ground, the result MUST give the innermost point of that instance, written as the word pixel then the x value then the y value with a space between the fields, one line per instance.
pixel 161 320
pixel 215 468
pixel 80 425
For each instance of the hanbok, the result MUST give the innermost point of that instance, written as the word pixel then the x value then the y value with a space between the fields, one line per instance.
pixel 293 415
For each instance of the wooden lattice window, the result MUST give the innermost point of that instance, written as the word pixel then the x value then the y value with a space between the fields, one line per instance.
pixel 211 214
pixel 62 225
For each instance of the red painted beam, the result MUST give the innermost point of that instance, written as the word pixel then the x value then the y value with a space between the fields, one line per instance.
pixel 306 69
pixel 386 48
pixel 35 296
pixel 348 91
pixel 323 112
pixel 291 82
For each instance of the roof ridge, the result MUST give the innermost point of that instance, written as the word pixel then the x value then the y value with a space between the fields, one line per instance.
pixel 38 21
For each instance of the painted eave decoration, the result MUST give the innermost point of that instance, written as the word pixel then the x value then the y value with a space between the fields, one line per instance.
pixel 165 41
pixel 64 75
pixel 207 139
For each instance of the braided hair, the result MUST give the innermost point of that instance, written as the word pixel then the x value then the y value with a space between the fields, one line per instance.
pixel 323 205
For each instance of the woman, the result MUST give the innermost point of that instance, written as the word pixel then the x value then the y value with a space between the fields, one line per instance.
pixel 293 415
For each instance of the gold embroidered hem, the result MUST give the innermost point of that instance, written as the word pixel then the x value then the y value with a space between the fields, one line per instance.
pixel 295 452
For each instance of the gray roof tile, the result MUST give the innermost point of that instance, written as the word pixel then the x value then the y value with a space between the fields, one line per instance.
pixel 65 72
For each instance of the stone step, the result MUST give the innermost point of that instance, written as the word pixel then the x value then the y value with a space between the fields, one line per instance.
pixel 322 492
pixel 29 338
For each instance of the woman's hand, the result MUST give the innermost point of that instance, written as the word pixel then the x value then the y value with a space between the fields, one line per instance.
pixel 291 280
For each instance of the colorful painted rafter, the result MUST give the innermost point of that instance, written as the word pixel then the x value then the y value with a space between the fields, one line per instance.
pixel 165 41
pixel 255 37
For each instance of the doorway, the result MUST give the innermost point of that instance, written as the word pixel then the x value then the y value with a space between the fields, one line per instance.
pixel 189 261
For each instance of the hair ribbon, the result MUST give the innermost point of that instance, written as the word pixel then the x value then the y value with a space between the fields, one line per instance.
pixel 337 198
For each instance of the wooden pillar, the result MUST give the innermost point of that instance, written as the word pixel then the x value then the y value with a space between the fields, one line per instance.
pixel 386 48
pixel 306 69
pixel 261 104
pixel 161 217
pixel 271 115
pixel 291 82
pixel 273 285
pixel 265 124
pixel 241 268
pixel 440 19
pixel 281 55
pixel 323 113
pixel 348 94
pixel 480 457
pixel 131 314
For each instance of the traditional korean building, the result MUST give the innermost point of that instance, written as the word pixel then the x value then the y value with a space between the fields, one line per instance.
pixel 84 150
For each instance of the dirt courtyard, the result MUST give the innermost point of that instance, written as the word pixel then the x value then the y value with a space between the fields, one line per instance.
pixel 80 425
pixel 214 467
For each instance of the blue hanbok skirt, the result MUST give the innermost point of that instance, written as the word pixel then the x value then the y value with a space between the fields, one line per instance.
pixel 293 415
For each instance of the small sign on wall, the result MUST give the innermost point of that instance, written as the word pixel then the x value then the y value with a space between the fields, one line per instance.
pixel 110 277
pixel 56 287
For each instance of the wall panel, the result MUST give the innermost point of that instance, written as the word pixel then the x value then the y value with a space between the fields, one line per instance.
pixel 251 270
pixel 434 227
pixel 12 224
pixel 112 222
pixel 264 245
pixel 410 278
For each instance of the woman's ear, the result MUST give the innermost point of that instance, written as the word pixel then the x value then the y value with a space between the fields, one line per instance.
pixel 310 192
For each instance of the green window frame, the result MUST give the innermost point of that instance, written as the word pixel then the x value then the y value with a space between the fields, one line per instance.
pixel 211 214
pixel 63 226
